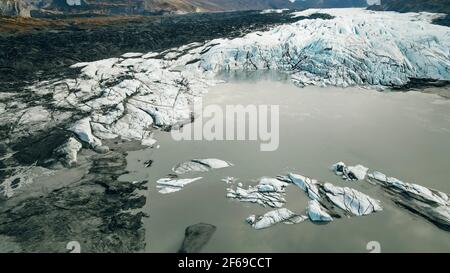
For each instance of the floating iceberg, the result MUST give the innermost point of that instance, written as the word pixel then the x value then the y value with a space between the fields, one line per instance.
pixel 431 204
pixel 273 217
pixel 169 184
pixel 317 213
pixel 200 165
pixel 310 186
pixel 268 192
pixel 358 172
pixel 351 200
pixel 267 184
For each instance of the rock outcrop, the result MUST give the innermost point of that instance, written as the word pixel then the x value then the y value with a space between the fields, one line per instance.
pixel 15 8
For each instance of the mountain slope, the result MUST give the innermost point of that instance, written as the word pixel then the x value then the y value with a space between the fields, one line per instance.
pixel 13 8
pixel 437 6
pixel 17 7
pixel 416 5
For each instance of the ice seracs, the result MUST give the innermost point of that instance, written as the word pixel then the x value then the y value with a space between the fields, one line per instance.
pixel 432 204
pixel 273 217
pixel 69 152
pixel 82 129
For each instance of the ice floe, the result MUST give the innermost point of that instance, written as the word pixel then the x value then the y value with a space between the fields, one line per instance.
pixel 351 200
pixel 358 172
pixel 310 186
pixel 317 213
pixel 268 192
pixel 432 204
pixel 273 217
pixel 348 199
pixel 200 165
pixel 429 203
pixel 172 184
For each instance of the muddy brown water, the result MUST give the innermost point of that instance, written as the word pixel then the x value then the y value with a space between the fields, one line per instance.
pixel 405 135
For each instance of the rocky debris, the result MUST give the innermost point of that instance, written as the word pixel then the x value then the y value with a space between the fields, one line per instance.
pixel 317 213
pixel 273 217
pixel 351 200
pixel 97 211
pixel 196 237
pixel 429 203
pixel 268 192
pixel 173 184
pixel 310 186
pixel 200 165
pixel 350 173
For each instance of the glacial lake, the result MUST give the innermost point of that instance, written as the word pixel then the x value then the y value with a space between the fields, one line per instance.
pixel 405 135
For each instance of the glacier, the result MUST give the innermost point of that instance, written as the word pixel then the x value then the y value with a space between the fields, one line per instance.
pixel 130 95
